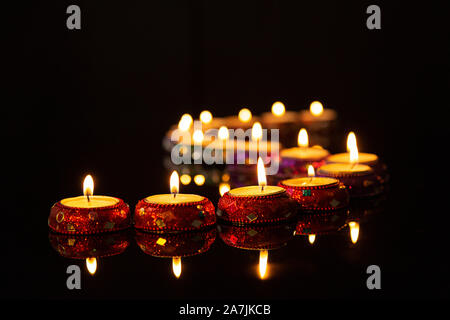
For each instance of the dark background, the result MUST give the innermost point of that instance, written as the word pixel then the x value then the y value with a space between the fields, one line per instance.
pixel 98 100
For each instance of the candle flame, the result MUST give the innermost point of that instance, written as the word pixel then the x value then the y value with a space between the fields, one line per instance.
pixel 91 265
pixel 354 231
pixel 223 133
pixel 316 108
pixel 257 131
pixel 303 138
pixel 245 115
pixel 278 109
pixel 185 122
pixel 311 238
pixel 223 188
pixel 88 186
pixel 263 257
pixel 174 183
pixel 199 179
pixel 197 136
pixel 206 117
pixel 311 172
pixel 185 179
pixel 262 180
pixel 352 147
pixel 176 266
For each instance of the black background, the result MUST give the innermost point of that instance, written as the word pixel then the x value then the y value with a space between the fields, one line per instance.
pixel 98 100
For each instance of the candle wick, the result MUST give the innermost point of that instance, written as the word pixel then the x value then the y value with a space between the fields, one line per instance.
pixel 262 188
pixel 88 197
pixel 174 195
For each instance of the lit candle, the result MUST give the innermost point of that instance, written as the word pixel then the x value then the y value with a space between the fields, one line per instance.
pixel 317 113
pixel 256 204
pixel 317 193
pixel 89 213
pixel 174 211
pixel 279 116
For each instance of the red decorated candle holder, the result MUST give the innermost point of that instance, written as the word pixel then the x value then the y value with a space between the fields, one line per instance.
pixel 73 220
pixel 90 246
pixel 291 167
pixel 331 196
pixel 176 245
pixel 174 217
pixel 256 209
pixel 324 222
pixel 257 237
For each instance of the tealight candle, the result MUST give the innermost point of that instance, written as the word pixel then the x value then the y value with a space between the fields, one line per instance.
pixel 256 204
pixel 175 211
pixel 317 114
pixel 89 213
pixel 317 193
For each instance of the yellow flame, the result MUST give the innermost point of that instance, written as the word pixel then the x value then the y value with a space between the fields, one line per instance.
pixel 263 257
pixel 354 231
pixel 88 186
pixel 262 180
pixel 174 183
pixel 199 179
pixel 91 265
pixel 316 108
pixel 185 122
pixel 278 109
pixel 352 147
pixel 245 115
pixel 206 117
pixel 176 266
pixel 225 177
pixel 223 133
pixel 302 139
pixel 311 172
pixel 185 179
pixel 311 238
pixel 223 188
pixel 257 131
pixel 197 136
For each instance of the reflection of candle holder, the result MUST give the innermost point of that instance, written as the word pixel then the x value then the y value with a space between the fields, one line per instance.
pixel 364 207
pixel 176 245
pixel 73 220
pixel 324 222
pixel 90 246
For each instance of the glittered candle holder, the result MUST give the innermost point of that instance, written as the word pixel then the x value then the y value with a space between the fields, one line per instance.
pixel 317 193
pixel 322 222
pixel 89 214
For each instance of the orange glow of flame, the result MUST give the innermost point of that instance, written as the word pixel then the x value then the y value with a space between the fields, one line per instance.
pixel 176 266
pixel 245 115
pixel 206 117
pixel 263 257
pixel 311 238
pixel 185 122
pixel 303 140
pixel 257 131
pixel 198 136
pixel 354 231
pixel 174 183
pixel 278 109
pixel 352 147
pixel 88 186
pixel 316 108
pixel 91 265
pixel 223 133
pixel 199 179
pixel 262 180
pixel 223 188
pixel 311 172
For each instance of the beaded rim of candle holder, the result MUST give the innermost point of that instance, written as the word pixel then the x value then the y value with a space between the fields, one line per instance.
pixel 174 217
pixel 318 198
pixel 244 210
pixel 74 220
pixel 257 237
pixel 184 244
pixel 325 222
pixel 77 246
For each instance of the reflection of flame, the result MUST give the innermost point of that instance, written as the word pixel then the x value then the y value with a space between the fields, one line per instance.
pixel 316 108
pixel 199 179
pixel 311 172
pixel 352 147
pixel 206 117
pixel 224 187
pixel 311 238
pixel 185 122
pixel 263 255
pixel 88 186
pixel 91 265
pixel 303 138
pixel 262 180
pixel 245 115
pixel 257 131
pixel 354 231
pixel 176 266
pixel 174 183
pixel 223 133
pixel 278 109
